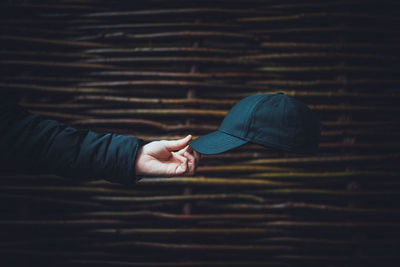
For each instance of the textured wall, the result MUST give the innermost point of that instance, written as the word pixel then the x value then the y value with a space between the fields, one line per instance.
pixel 163 69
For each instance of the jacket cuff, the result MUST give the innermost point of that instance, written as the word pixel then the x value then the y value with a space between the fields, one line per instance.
pixel 128 154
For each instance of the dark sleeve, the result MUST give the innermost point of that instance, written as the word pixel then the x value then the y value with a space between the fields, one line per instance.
pixel 28 141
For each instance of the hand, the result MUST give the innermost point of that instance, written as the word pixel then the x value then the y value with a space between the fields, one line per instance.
pixel 167 158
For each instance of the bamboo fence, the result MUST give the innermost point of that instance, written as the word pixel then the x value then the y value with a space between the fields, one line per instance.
pixel 161 70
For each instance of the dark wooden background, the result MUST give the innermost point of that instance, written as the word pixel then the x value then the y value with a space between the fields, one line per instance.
pixel 163 69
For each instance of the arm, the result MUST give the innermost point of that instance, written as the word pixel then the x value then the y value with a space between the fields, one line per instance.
pixel 29 141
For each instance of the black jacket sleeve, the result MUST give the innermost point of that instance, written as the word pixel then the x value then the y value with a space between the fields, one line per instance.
pixel 28 141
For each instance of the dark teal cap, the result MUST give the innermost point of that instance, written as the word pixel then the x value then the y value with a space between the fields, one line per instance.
pixel 273 120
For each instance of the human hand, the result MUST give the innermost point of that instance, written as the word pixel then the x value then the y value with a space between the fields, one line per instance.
pixel 167 158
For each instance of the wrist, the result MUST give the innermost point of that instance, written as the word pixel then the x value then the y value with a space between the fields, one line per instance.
pixel 138 162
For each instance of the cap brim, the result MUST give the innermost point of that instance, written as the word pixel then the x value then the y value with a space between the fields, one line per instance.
pixel 216 142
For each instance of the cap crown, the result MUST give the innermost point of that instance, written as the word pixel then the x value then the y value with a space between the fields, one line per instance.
pixel 236 122
pixel 274 120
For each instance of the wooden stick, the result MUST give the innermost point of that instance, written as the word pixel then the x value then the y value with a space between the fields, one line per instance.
pixel 55 42
pixel 326 159
pixel 180 198
pixel 318 15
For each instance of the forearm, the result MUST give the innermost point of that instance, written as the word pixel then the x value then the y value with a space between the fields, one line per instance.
pixel 30 141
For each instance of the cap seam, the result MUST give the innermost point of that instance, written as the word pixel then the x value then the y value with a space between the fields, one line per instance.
pixel 251 115
pixel 242 138
pixel 296 125
pixel 225 147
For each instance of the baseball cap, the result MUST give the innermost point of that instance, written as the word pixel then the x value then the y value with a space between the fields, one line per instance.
pixel 272 120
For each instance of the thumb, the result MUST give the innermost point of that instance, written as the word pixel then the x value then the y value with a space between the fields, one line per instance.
pixel 177 144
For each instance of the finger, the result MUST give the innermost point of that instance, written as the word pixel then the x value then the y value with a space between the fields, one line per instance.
pixel 197 157
pixel 177 144
pixel 191 163
pixel 189 153
pixel 183 150
pixel 183 166
pixel 190 150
